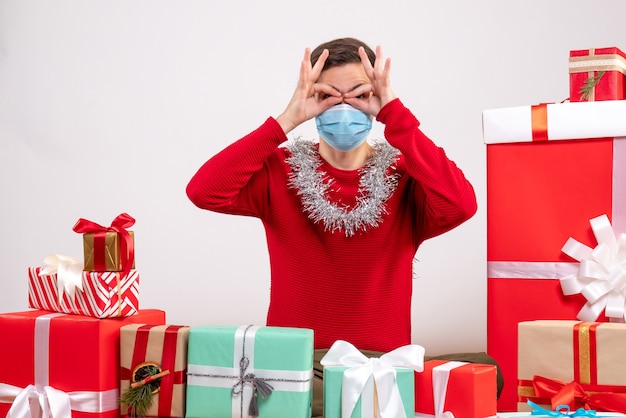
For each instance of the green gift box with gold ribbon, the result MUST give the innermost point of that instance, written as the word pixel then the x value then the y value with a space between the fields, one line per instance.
pixel 241 371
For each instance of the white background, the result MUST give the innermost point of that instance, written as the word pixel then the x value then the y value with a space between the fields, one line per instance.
pixel 111 106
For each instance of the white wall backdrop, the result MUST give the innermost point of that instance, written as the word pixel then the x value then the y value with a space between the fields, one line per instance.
pixel 110 106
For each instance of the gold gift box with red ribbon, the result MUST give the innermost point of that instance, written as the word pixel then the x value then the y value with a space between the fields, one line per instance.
pixel 145 349
pixel 575 363
pixel 102 251
pixel 108 248
pixel 597 74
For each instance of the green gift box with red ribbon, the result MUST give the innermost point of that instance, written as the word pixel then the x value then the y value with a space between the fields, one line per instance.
pixel 575 363
pixel 108 248
pixel 152 350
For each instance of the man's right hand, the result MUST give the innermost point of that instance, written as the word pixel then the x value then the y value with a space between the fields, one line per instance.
pixel 310 98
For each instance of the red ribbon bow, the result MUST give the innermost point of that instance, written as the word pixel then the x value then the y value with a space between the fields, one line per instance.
pixel 574 395
pixel 119 225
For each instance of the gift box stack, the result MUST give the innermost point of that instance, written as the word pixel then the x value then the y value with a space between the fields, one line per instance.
pixel 556 211
pixel 86 349
pixel 62 357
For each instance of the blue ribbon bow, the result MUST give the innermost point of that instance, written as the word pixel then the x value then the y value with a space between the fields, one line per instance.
pixel 561 411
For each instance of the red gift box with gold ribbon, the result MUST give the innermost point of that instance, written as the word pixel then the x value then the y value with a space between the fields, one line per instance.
pixel 574 363
pixel 597 74
pixel 162 349
pixel 550 169
pixel 62 364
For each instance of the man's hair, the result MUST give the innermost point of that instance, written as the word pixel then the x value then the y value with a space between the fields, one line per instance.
pixel 342 51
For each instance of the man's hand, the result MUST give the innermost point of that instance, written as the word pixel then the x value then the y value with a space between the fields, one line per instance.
pixel 304 103
pixel 370 98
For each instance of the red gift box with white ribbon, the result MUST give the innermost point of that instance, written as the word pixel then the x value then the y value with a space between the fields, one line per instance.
pixel 551 168
pixel 455 388
pixel 61 365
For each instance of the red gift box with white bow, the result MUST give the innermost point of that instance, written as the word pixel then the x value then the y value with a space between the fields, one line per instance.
pixel 551 169
pixel 63 364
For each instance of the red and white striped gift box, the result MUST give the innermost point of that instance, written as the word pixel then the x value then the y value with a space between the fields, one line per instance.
pixel 103 294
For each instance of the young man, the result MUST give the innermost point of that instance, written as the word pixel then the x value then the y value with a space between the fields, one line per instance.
pixel 343 217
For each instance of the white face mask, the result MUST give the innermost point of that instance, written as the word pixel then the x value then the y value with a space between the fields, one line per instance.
pixel 343 127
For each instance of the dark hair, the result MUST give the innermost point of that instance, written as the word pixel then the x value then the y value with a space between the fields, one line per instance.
pixel 342 51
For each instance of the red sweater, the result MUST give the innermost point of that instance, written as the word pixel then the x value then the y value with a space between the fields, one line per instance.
pixel 354 288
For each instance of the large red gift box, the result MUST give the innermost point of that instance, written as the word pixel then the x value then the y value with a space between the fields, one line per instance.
pixel 102 294
pixel 63 361
pixel 543 189
pixel 603 70
pixel 467 390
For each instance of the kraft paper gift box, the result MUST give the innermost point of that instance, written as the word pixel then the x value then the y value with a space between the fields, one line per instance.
pixel 356 386
pixel 233 370
pixel 574 363
pixel 146 349
pixel 108 248
pixel 597 74
pixel 466 390
pixel 550 169
pixel 62 361
pixel 97 294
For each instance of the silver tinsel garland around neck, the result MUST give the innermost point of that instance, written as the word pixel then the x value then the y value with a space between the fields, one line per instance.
pixel 378 181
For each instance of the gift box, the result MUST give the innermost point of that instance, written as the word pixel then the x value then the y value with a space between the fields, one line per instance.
pixel 542 189
pixel 356 386
pixel 108 248
pixel 97 294
pixel 68 363
pixel 239 371
pixel 573 363
pixel 554 122
pixel 467 390
pixel 152 350
pixel 597 74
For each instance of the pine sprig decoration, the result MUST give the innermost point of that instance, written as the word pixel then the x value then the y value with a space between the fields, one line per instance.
pixel 590 83
pixel 138 399
pixel 146 382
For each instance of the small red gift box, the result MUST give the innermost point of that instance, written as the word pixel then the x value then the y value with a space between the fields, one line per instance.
pixel 102 294
pixel 66 362
pixel 467 390
pixel 162 348
pixel 543 189
pixel 597 74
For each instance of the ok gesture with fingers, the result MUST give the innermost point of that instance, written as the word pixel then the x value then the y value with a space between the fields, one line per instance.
pixel 304 104
pixel 378 93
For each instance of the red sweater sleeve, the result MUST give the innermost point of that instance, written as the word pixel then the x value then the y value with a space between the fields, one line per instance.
pixel 447 198
pixel 225 182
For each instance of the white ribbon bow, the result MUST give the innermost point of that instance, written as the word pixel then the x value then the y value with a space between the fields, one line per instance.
pixel 382 370
pixel 69 271
pixel 48 402
pixel 45 403
pixel 601 277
